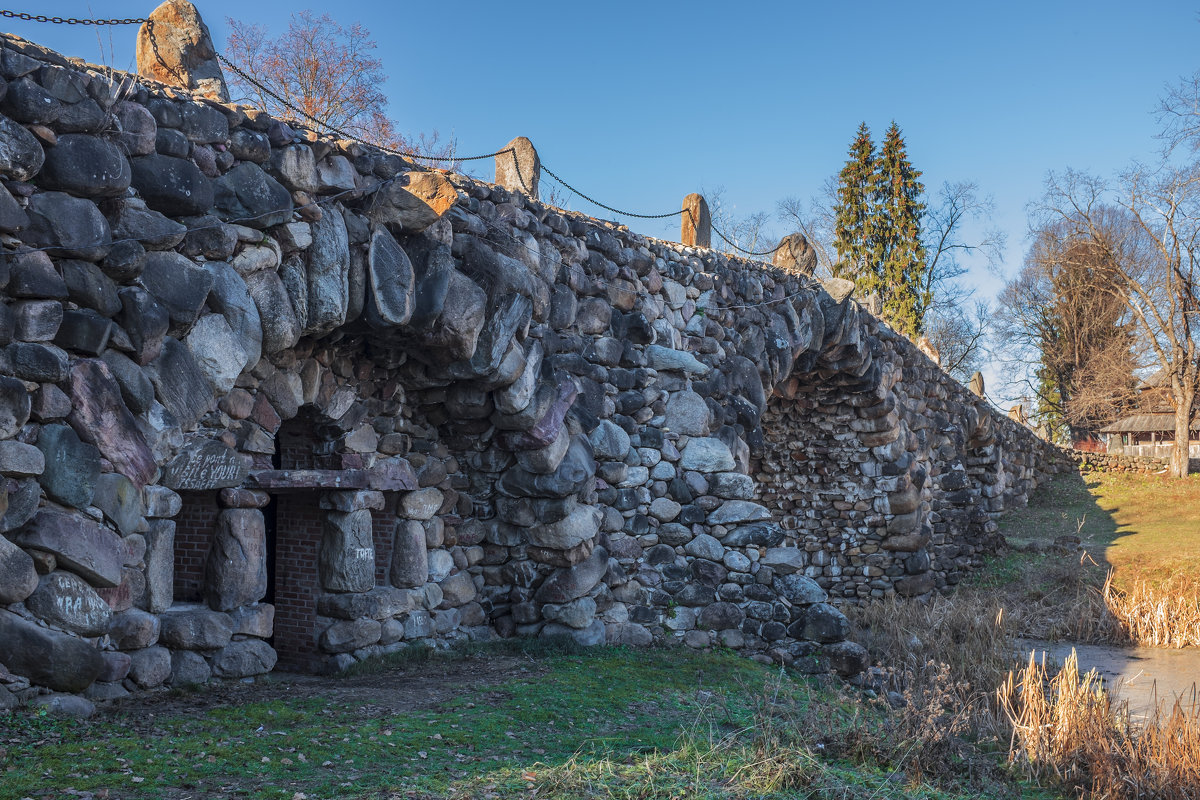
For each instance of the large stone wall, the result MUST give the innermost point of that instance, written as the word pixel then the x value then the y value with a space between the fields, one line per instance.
pixel 266 396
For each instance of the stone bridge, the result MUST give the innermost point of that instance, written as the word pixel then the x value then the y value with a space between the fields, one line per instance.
pixel 269 397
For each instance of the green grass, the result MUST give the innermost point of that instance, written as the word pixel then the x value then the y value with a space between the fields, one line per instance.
pixel 611 722
pixel 1146 528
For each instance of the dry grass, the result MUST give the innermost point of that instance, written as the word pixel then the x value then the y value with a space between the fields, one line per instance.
pixel 1153 616
pixel 1066 730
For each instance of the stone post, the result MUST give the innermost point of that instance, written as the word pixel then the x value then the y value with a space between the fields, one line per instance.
pixel 174 47
pixel 518 167
pixel 696 227
pixel 796 255
pixel 976 385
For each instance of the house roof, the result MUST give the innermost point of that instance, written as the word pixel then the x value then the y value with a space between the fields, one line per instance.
pixel 1145 422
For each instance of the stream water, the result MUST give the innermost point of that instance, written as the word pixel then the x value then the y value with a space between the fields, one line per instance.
pixel 1139 675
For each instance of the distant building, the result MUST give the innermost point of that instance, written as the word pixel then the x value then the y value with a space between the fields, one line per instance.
pixel 1152 432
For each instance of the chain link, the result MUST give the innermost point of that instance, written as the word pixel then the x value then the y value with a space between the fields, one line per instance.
pixel 417 156
pixel 68 20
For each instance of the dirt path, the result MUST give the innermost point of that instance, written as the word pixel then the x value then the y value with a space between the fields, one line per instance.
pixel 419 686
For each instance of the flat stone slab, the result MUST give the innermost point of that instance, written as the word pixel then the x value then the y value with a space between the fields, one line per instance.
pixel 297 480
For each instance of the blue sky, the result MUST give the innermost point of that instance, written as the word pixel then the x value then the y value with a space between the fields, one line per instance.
pixel 639 103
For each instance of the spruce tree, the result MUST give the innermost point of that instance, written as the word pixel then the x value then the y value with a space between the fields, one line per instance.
pixel 855 218
pixel 898 252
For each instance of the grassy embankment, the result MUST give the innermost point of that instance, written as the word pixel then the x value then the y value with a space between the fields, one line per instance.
pixel 609 723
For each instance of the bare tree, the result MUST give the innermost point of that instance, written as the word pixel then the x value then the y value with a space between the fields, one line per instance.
pixel 320 74
pixel 960 336
pixel 749 232
pixel 1152 254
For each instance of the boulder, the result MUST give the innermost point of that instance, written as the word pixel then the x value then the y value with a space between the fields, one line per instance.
pixel 149 667
pixel 687 414
pixel 174 186
pixel 799 589
pixel 18 578
pixel 188 668
pixel 21 155
pixel 567 584
pixel 390 282
pixel 72 466
pixel 346 562
pixel 174 47
pixel 160 565
pixel 78 543
pixel 824 623
pixel 181 386
pixel 707 455
pixel 410 558
pixel 231 299
pixel 280 325
pixel 70 226
pixel 582 525
pixel 121 501
pixel 131 219
pixel 252 197
pixel 195 628
pixel 59 661
pixel 413 201
pixel 217 352
pixel 100 417
pixel 14 406
pixel 66 601
pixel 244 658
pixel 85 166
pixel 328 275
pixel 179 286
pixel 144 321
pixel 235 572
pixel 133 629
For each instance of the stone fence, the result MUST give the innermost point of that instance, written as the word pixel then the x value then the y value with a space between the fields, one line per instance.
pixel 1115 462
pixel 269 397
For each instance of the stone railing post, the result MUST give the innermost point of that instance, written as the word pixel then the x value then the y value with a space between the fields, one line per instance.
pixel 175 48
pixel 696 225
pixel 518 167
pixel 796 255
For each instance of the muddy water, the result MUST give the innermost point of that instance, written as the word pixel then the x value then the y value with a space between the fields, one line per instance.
pixel 1139 675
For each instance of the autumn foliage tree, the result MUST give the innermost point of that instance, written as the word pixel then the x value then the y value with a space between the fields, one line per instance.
pixel 328 72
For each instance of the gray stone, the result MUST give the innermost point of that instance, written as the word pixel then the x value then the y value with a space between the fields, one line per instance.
pixel 516 397
pixel 33 274
pixel 144 321
pixel 609 441
pixel 422 504
pixel 178 285
pixel 18 578
pixel 72 466
pixel 58 661
pixel 824 623
pixel 546 459
pixel 176 48
pixel 457 589
pixel 14 406
pixel 347 557
pixel 38 362
pixel 281 327
pixel 328 275
pixel 347 635
pixel 707 455
pixel 733 512
pixel 664 509
pixel 410 559
pixel 256 620
pixel 573 474
pixel 581 525
pixel 131 219
pixel 160 565
pixel 296 167
pixel 567 584
pixel 413 201
pixel 150 667
pixel 665 358
pixel 785 560
pixel 133 629
pixel 706 547
pixel 441 564
pixel 22 504
pixel 194 628
pixel 418 625
pixel 518 167
pixel 688 414
pixel 577 614
pixel 19 459
pixel 188 668
pixel 231 299
pixel 720 616
pixel 138 128
pixel 217 352
pixel 759 534
pixel 252 197
pixel 627 633
pixel 37 320
pixel 235 572
pixel 162 502
pixel 86 166
pixel 591 636
pixel 244 658
pixel 732 486
pixel 390 282
pixel 180 385
pixel 21 155
pixel 799 589
pixel 66 601
pixel 205 464
pixel 65 705
pixel 174 186
pixel 137 391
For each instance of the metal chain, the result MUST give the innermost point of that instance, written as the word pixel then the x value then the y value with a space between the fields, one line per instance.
pixel 346 134
pixel 593 201
pixel 68 20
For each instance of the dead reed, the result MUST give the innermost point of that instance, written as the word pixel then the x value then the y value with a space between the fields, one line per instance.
pixel 1154 616
pixel 1067 730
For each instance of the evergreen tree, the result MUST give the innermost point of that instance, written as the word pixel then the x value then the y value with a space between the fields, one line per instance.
pixel 898 254
pixel 855 218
